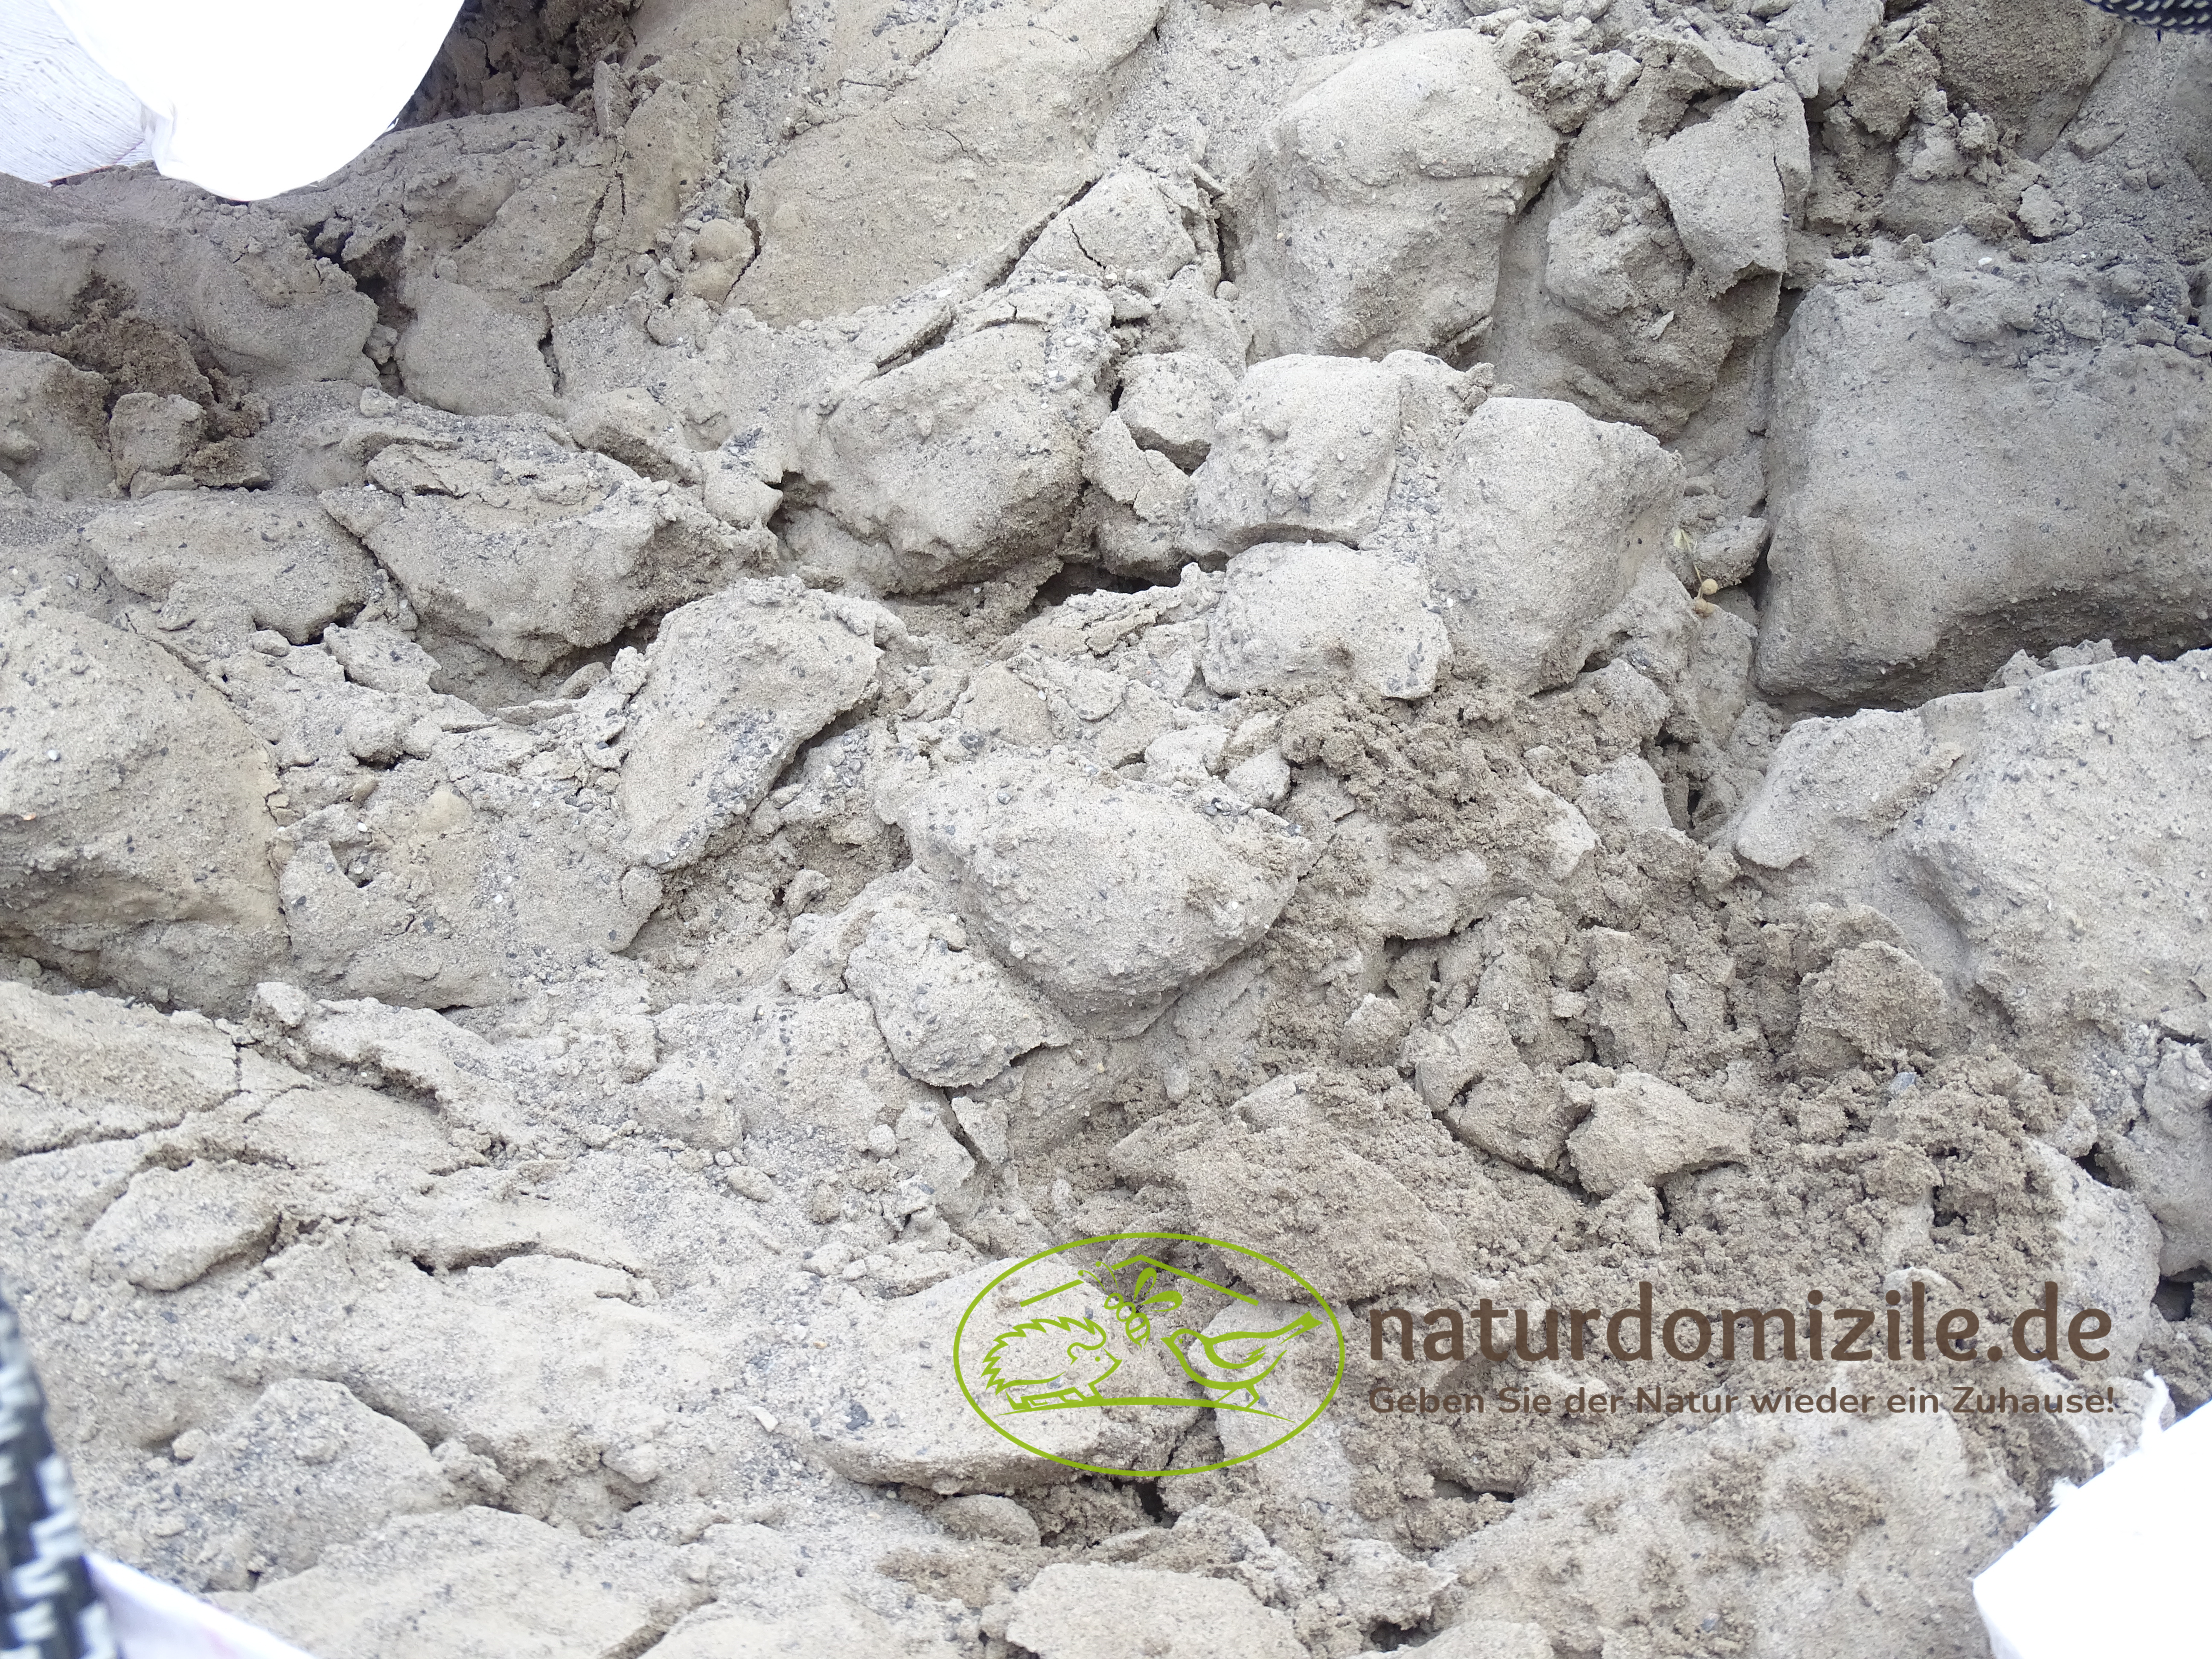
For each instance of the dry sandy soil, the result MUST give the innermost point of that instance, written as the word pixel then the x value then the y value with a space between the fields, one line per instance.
pixel 775 656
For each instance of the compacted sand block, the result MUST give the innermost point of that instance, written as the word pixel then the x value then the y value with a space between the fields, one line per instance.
pixel 1549 665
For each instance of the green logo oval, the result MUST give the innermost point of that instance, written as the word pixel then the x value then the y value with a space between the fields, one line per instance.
pixel 1104 1353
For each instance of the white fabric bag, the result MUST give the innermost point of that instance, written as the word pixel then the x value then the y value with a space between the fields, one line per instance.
pixel 60 112
pixel 155 1620
pixel 2114 1568
pixel 244 97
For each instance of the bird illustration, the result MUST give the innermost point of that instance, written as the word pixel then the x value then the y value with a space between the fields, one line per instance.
pixel 2181 16
pixel 1135 1311
pixel 1235 1361
pixel 1044 1363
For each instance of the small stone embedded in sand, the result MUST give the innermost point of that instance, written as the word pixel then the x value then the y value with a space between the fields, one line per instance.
pixel 1984 511
pixel 1304 1196
pixel 132 810
pixel 1303 451
pixel 1410 892
pixel 175 1225
pixel 950 1012
pixel 1072 1611
pixel 1104 895
pixel 814 1064
pixel 1733 182
pixel 1916 1482
pixel 2030 842
pixel 992 134
pixel 733 685
pixel 285 562
pixel 1300 613
pixel 2161 1150
pixel 90 1068
pixel 985 1515
pixel 478 1569
pixel 688 1102
pixel 467 884
pixel 1491 1638
pixel 967 459
pixel 531 550
pixel 312 1451
pixel 1171 401
pixel 1625 797
pixel 1126 231
pixel 465 353
pixel 53 435
pixel 1521 1114
pixel 2107 1254
pixel 153 433
pixel 882 1403
pixel 1377 200
pixel 1872 1002
pixel 1553 515
pixel 1642 1130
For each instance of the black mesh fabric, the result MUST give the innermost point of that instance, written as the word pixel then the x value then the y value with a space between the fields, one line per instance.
pixel 2186 16
pixel 48 1607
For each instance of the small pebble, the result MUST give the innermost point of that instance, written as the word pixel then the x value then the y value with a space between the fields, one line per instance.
pixel 749 1182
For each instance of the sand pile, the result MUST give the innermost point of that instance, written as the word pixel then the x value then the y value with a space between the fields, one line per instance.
pixel 776 658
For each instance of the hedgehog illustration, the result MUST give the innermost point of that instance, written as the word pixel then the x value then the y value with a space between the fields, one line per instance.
pixel 1049 1362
